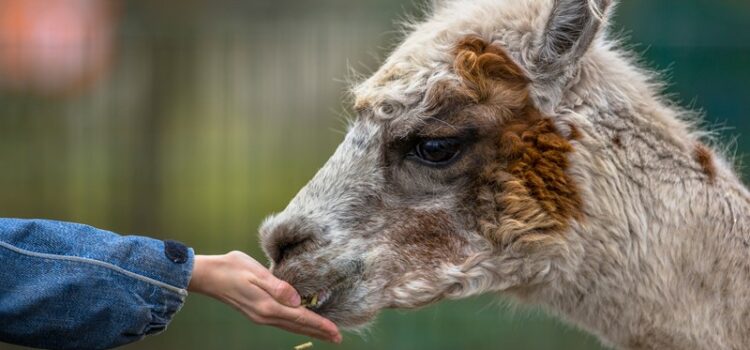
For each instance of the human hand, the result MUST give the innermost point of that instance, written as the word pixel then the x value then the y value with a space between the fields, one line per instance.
pixel 240 281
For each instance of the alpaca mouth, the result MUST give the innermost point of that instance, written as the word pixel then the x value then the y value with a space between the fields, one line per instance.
pixel 324 298
pixel 316 300
pixel 320 297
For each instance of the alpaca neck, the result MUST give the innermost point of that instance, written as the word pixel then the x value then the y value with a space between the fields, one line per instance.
pixel 674 286
pixel 662 259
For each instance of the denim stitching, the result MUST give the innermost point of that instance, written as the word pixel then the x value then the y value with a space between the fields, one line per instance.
pixel 95 262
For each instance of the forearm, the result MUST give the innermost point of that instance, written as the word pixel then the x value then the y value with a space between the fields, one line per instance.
pixel 67 285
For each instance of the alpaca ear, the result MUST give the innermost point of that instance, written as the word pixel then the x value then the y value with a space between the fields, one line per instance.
pixel 570 30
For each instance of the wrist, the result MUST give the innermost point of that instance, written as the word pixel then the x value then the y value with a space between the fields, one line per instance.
pixel 199 281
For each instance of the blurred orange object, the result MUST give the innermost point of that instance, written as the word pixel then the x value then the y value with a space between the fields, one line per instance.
pixel 54 46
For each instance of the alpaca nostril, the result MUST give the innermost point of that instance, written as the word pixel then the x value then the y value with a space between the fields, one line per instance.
pixel 286 249
pixel 286 237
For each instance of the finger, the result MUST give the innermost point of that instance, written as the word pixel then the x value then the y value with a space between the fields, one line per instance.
pixel 308 331
pixel 300 316
pixel 306 318
pixel 255 301
pixel 282 291
pixel 263 319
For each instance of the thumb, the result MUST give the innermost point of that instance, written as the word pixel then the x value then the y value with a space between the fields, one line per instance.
pixel 282 291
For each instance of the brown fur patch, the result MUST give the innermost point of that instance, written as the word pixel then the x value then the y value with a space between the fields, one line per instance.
pixel 488 71
pixel 525 191
pixel 427 236
pixel 421 245
pixel 538 154
pixel 617 141
pixel 575 134
pixel 704 157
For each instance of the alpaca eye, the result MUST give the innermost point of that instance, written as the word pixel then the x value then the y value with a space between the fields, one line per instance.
pixel 437 151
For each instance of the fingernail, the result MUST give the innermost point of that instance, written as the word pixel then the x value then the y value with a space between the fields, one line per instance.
pixel 295 300
pixel 337 338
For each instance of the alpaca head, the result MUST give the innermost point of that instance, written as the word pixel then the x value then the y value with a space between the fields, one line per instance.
pixel 454 179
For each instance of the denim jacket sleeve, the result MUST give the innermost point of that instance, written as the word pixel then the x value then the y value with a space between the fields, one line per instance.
pixel 72 286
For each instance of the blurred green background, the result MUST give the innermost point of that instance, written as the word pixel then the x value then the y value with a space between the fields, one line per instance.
pixel 193 120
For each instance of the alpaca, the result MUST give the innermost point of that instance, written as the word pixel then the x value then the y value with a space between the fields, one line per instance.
pixel 512 147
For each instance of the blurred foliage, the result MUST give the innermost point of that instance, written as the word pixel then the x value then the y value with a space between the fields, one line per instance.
pixel 214 114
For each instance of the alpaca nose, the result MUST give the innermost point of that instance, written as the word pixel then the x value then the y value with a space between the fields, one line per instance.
pixel 285 239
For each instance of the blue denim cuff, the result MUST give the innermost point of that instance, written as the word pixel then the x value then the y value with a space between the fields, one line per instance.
pixel 71 286
pixel 143 256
